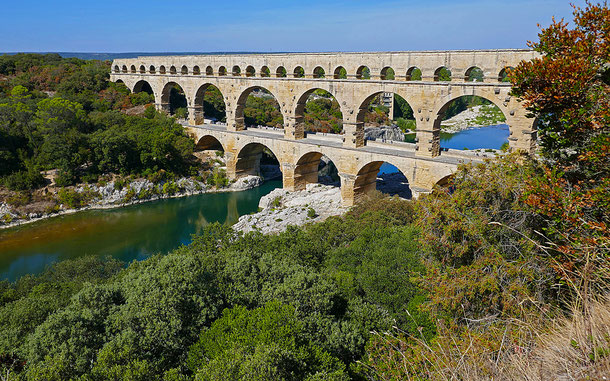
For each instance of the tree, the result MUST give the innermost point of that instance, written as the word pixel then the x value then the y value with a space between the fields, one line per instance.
pixel 266 343
pixel 568 90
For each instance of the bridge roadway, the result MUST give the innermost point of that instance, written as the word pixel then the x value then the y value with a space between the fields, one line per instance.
pixel 299 159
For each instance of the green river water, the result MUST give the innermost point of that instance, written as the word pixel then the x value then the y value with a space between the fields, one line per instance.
pixel 132 232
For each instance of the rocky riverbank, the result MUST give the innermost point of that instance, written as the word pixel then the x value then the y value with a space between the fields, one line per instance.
pixel 114 194
pixel 476 116
pixel 280 208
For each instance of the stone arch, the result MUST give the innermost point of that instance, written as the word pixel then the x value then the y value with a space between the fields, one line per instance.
pixel 124 69
pixel 172 70
pixel 474 74
pixel 265 72
pixel 319 72
pixel 444 181
pixel 236 71
pixel 184 69
pixel 340 73
pixel 250 72
pixel 248 159
pixel 142 69
pixel 167 94
pixel 120 81
pixel 162 69
pixel 133 69
pixel 240 120
pixel 151 69
pixel 209 71
pixel 387 73
pixel 363 72
pixel 299 110
pixel 414 74
pixel 208 143
pixel 298 72
pixel 503 74
pixel 366 181
pixel 444 105
pixel 199 105
pixel 116 68
pixel 280 72
pixel 196 70
pixel 142 85
pixel 442 74
pixel 222 71
pixel 395 99
pixel 307 170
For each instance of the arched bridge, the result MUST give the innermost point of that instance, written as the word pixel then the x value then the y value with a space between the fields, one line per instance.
pixel 354 79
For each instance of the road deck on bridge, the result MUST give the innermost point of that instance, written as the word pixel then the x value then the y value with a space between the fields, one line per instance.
pixel 398 149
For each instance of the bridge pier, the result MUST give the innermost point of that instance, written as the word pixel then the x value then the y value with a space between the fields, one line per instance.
pixel 523 133
pixel 427 137
pixel 353 134
pixel 294 128
pixel 163 107
pixel 348 194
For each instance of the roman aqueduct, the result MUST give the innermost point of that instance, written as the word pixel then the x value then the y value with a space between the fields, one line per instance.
pixel 353 79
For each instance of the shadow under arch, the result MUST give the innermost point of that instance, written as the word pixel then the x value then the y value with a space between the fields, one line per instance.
pixel 325 115
pixel 488 106
pixel 256 159
pixel 256 106
pixel 142 85
pixel 383 177
pixel 315 167
pixel 173 98
pixel 209 143
pixel 209 102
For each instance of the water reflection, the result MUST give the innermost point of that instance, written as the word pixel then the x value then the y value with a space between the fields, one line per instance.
pixel 133 232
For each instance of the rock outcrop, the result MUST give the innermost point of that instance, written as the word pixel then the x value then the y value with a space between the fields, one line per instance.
pixel 281 209
pixel 384 133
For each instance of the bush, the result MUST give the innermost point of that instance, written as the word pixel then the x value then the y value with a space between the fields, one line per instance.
pixel 181 113
pixel 24 180
pixel 311 213
pixel 219 178
pixel 170 188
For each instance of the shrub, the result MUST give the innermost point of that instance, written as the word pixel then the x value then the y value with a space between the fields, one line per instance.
pixel 220 178
pixel 311 213
pixel 71 198
pixel 24 180
pixel 170 188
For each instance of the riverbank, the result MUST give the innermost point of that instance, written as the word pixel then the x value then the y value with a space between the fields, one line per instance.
pixel 317 202
pixel 115 194
pixel 476 116
pixel 280 209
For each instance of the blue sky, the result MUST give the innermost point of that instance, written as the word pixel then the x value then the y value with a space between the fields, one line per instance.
pixel 272 25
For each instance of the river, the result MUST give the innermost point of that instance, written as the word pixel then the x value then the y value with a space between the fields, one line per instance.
pixel 138 231
pixel 133 232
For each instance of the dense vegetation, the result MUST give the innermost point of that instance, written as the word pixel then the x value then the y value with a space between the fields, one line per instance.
pixel 502 275
pixel 64 114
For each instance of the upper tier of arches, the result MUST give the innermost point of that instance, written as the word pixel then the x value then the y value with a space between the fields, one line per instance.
pixel 387 73
pixel 471 66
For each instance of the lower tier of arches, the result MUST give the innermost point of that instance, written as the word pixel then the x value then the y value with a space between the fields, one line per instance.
pixel 300 163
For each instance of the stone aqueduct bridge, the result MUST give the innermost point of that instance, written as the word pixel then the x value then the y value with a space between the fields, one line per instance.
pixel 423 163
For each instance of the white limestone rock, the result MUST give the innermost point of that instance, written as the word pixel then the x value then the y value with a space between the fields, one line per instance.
pixel 384 133
pixel 281 208
pixel 246 182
